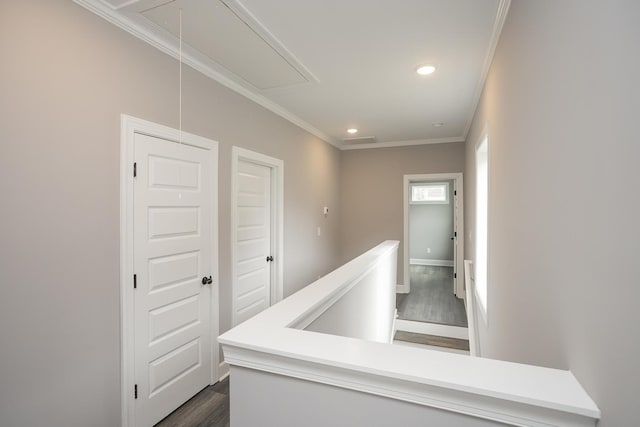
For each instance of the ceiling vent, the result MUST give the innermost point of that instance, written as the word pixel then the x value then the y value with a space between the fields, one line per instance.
pixel 360 140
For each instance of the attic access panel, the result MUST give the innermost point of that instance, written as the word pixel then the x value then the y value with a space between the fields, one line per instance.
pixel 227 34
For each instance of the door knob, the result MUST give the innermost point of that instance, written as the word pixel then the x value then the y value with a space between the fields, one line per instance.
pixel 207 280
pixel 269 258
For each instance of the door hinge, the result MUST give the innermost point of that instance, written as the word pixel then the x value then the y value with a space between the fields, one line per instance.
pixel 135 391
pixel 455 234
pixel 455 193
pixel 135 281
pixel 455 275
pixel 135 169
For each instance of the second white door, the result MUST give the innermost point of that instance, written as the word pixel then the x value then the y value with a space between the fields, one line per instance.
pixel 253 240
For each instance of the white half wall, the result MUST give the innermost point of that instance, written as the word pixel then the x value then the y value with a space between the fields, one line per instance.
pixel 367 311
pixel 311 404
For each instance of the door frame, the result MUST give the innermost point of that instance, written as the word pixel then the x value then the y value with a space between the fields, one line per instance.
pixel 277 221
pixel 459 227
pixel 129 126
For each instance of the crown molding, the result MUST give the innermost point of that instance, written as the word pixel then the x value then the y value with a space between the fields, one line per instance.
pixel 501 16
pixel 137 26
pixel 403 143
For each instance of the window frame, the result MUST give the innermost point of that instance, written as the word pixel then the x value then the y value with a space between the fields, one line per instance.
pixel 481 262
pixel 430 202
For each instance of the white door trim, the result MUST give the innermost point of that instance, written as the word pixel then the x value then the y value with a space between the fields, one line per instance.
pixel 459 227
pixel 470 306
pixel 129 127
pixel 277 221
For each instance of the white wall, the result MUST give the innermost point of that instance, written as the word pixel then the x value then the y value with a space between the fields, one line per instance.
pixel 304 403
pixel 66 75
pixel 562 103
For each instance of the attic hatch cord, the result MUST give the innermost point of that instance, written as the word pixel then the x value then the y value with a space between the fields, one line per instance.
pixel 180 84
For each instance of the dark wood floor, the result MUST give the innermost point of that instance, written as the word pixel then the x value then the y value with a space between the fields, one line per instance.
pixel 209 408
pixel 431 298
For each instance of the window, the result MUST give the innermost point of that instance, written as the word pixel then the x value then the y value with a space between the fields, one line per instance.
pixel 482 196
pixel 430 193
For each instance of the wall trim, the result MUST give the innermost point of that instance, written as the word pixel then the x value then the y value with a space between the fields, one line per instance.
pixel 501 17
pixel 433 262
pixel 436 329
pixel 482 308
pixel 129 126
pixel 484 406
pixel 394 326
pixel 407 143
pixel 277 221
pixel 470 305
pixel 167 43
pixel 401 289
pixel 223 370
pixel 127 19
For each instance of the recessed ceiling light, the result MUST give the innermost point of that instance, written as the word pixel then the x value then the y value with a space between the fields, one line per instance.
pixel 352 131
pixel 425 70
pixel 437 124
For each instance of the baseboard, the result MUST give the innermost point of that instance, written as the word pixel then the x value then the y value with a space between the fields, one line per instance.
pixel 433 262
pixel 223 370
pixel 402 289
pixel 432 329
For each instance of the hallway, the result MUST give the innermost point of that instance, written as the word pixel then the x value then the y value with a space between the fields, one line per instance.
pixel 431 298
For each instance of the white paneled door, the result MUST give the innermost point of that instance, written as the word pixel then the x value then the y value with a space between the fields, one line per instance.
pixel 253 240
pixel 173 265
